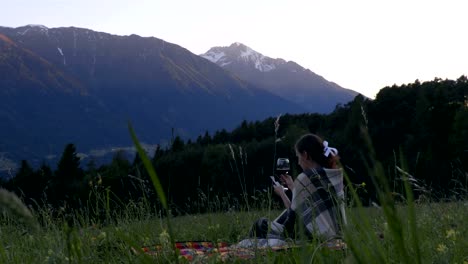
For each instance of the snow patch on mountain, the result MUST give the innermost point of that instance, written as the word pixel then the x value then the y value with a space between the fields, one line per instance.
pixel 248 52
pixel 42 27
pixel 260 62
pixel 239 52
pixel 34 28
pixel 61 53
pixel 213 56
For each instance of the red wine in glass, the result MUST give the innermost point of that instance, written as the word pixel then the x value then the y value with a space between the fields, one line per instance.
pixel 282 166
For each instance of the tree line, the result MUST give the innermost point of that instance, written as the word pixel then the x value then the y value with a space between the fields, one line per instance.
pixel 418 128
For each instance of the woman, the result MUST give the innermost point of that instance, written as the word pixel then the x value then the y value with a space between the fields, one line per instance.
pixel 317 205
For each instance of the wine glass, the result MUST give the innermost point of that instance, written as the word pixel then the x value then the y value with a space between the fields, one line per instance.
pixel 282 166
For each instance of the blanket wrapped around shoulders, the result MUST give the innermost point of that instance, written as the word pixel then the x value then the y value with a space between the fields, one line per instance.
pixel 317 203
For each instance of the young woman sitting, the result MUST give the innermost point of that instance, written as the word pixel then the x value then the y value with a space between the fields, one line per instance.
pixel 316 209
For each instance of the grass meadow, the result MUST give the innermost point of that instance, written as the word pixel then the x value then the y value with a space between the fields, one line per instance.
pixel 408 231
pixel 441 229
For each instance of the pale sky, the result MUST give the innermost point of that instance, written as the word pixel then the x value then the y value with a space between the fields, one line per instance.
pixel 360 45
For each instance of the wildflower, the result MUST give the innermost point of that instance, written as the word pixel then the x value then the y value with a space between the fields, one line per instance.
pixel 451 234
pixel 102 235
pixel 363 184
pixel 442 248
pixel 213 227
pixel 164 238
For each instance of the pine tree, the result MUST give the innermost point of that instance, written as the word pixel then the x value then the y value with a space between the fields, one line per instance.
pixel 68 184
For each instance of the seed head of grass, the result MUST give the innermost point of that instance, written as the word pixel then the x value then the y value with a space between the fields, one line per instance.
pixel 16 209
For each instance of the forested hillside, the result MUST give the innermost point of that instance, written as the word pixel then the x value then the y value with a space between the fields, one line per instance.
pixel 421 128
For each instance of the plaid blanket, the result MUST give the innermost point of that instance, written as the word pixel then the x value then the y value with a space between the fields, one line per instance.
pixel 318 202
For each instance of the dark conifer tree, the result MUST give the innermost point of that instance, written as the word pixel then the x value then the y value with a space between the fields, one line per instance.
pixel 177 144
pixel 22 183
pixel 68 185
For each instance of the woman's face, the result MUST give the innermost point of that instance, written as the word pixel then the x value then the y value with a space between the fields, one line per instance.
pixel 301 159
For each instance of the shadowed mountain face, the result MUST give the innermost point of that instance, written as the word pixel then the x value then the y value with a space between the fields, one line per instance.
pixel 61 85
pixel 41 106
pixel 284 78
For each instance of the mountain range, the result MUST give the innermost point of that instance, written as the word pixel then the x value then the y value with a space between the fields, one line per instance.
pixel 286 79
pixel 75 85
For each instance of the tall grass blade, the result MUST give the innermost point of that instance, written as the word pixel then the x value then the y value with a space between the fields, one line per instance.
pixel 386 199
pixel 157 186
pixel 411 216
pixel 149 167
pixel 364 228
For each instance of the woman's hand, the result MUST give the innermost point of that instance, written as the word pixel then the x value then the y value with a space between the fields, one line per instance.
pixel 279 190
pixel 287 180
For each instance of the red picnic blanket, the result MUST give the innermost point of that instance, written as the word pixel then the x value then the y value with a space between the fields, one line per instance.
pixel 194 251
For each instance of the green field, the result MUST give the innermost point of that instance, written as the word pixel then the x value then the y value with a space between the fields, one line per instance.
pixel 441 230
pixel 400 230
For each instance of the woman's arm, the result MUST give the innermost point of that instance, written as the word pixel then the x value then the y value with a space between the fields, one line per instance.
pixel 279 190
pixel 287 179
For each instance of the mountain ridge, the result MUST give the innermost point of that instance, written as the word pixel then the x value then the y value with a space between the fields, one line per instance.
pixel 284 78
pixel 157 85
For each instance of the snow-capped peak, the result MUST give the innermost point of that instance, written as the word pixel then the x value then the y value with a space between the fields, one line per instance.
pixel 38 26
pixel 238 52
pixel 33 28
